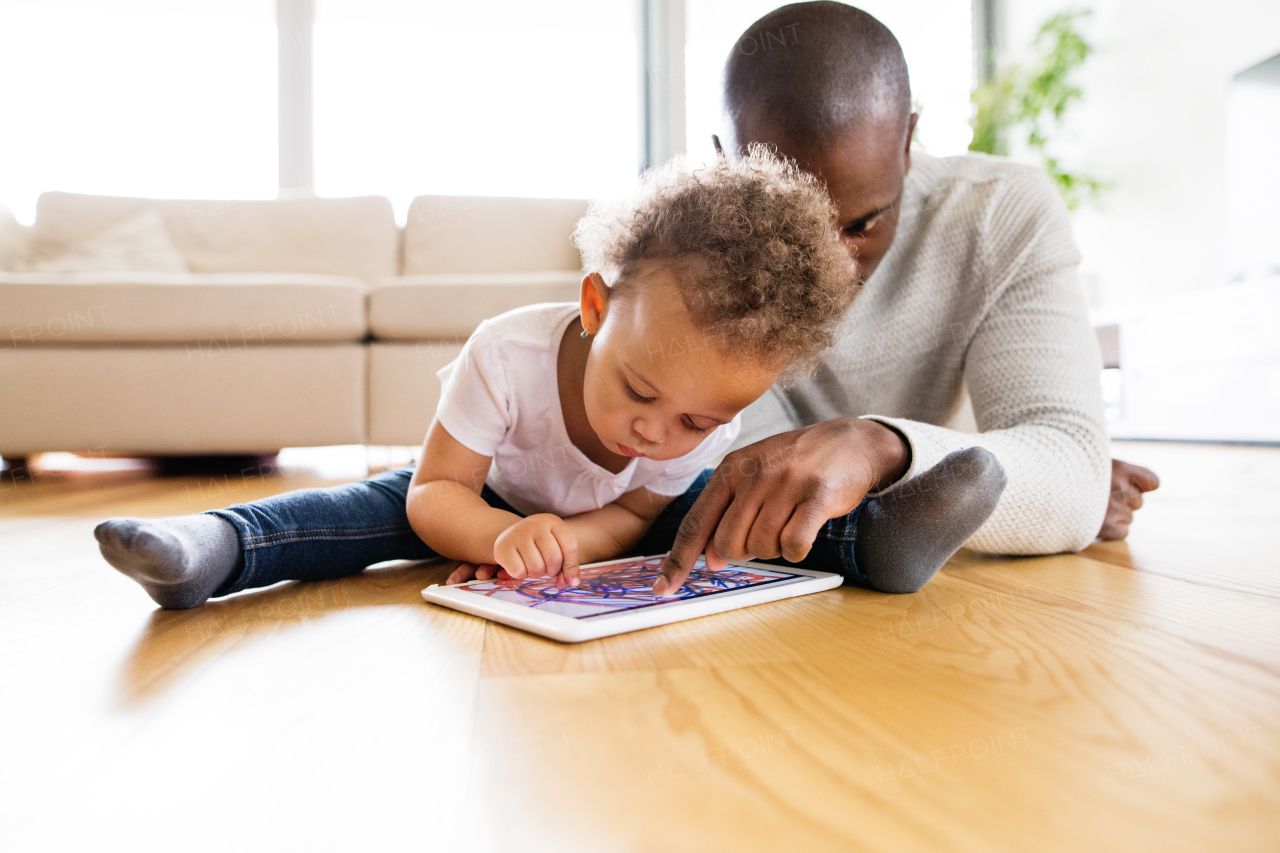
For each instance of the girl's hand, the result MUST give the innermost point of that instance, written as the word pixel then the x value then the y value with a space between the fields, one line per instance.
pixel 481 572
pixel 539 546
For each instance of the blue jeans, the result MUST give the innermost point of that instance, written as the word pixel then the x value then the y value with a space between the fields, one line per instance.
pixel 321 534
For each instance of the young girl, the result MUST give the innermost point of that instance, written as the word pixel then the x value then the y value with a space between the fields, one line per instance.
pixel 565 431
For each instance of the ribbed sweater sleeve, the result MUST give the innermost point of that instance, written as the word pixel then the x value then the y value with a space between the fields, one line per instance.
pixel 978 290
pixel 1032 369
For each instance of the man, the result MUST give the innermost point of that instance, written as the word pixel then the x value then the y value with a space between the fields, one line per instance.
pixel 970 272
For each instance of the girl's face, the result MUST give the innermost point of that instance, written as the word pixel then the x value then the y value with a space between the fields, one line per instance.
pixel 655 385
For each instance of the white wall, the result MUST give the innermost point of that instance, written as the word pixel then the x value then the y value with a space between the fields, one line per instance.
pixel 1253 171
pixel 1154 120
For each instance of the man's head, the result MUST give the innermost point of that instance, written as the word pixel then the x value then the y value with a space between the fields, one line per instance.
pixel 826 84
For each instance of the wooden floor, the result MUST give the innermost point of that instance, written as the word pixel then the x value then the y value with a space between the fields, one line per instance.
pixel 1127 699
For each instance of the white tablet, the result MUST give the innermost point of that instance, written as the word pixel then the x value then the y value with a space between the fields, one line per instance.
pixel 616 597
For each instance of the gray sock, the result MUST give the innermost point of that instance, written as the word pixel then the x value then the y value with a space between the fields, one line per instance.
pixel 179 561
pixel 905 536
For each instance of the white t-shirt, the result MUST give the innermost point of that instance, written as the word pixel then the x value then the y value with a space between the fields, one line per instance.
pixel 500 397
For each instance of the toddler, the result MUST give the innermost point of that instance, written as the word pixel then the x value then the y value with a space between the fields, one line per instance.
pixel 577 432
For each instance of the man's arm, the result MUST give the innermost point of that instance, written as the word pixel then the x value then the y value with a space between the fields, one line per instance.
pixel 1032 367
pixel 771 498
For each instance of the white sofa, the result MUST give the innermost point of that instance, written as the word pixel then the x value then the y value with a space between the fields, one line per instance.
pixel 303 322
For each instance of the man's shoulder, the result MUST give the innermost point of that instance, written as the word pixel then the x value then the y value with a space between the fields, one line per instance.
pixel 978 180
pixel 973 213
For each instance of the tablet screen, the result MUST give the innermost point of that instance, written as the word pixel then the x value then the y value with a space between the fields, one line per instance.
pixel 623 585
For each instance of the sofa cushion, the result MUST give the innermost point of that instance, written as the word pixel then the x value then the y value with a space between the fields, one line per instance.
pixel 335 236
pixel 138 244
pixel 239 309
pixel 422 307
pixel 14 239
pixel 470 234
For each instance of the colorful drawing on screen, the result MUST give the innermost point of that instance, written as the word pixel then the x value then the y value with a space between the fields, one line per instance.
pixel 624 585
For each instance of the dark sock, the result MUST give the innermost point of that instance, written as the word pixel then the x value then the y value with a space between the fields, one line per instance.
pixel 179 561
pixel 905 536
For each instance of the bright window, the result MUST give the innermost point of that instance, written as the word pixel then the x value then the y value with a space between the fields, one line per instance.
pixel 935 36
pixel 157 99
pixel 506 98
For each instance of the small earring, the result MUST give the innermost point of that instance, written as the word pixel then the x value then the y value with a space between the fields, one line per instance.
pixel 584 333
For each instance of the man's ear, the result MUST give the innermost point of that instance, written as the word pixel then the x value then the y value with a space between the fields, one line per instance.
pixel 594 302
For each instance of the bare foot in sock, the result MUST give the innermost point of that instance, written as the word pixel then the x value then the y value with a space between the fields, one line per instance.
pixel 905 536
pixel 179 561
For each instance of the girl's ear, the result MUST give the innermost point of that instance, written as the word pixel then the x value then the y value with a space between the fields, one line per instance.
pixel 595 302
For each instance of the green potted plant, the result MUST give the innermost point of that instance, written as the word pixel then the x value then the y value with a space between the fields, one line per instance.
pixel 1030 101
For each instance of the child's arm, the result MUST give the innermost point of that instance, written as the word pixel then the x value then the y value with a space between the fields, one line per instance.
pixel 446 511
pixel 618 527
pixel 594 536
pixel 444 504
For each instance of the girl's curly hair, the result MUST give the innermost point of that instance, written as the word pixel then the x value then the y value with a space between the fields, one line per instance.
pixel 760 264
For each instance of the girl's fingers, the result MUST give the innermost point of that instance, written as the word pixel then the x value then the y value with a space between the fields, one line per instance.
pixel 532 560
pixel 462 573
pixel 549 548
pixel 569 551
pixel 486 571
pixel 513 564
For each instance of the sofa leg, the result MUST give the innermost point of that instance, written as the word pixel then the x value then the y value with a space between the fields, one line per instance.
pixel 243 465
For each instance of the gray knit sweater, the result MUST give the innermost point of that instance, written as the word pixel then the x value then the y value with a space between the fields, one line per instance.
pixel 979 290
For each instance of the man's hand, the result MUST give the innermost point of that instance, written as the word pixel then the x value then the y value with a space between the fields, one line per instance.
pixel 1128 482
pixel 771 498
pixel 541 545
